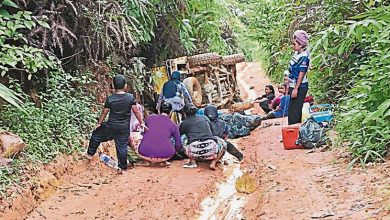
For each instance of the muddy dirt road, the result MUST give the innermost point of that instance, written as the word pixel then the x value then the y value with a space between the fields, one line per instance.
pixel 308 184
pixel 296 184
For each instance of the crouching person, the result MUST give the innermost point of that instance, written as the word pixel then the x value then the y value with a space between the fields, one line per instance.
pixel 117 128
pixel 162 139
pixel 220 129
pixel 201 145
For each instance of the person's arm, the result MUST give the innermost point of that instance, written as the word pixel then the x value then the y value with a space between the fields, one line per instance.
pixel 186 94
pixel 225 132
pixel 102 117
pixel 294 93
pixel 260 100
pixel 159 101
pixel 138 115
pixel 276 102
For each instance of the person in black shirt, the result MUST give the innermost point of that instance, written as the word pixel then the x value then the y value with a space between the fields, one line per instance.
pixel 117 128
pixel 221 130
pixel 201 142
pixel 266 99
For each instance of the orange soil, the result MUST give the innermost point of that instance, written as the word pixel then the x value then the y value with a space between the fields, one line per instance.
pixel 304 184
pixel 297 184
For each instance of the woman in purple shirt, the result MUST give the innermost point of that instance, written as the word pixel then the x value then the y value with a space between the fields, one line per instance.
pixel 157 145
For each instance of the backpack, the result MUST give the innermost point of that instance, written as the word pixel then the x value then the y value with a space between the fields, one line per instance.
pixel 311 134
pixel 171 89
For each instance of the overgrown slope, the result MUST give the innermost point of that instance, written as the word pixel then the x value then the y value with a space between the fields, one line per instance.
pixel 350 61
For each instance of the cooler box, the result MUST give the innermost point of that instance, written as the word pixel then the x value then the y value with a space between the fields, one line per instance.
pixel 290 136
pixel 322 113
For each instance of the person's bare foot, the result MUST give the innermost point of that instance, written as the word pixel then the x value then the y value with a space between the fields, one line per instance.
pixel 165 164
pixel 213 164
pixel 143 163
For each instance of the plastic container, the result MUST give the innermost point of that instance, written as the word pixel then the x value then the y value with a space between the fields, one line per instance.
pixel 325 116
pixel 109 161
pixel 322 113
pixel 305 111
pixel 290 137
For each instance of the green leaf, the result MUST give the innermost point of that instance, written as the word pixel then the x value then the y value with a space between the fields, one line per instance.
pixel 378 113
pixel 341 49
pixel 9 3
pixel 4 13
pixel 44 24
pixel 29 24
pixel 10 97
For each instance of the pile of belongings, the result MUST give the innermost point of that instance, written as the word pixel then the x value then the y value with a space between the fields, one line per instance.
pixel 240 125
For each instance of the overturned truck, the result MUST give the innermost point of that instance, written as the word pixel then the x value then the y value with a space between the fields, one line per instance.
pixel 209 78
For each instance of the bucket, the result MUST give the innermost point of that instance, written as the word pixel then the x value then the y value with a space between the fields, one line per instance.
pixel 290 136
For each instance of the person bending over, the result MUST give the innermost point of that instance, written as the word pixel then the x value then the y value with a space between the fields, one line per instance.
pixel 201 145
pixel 117 128
pixel 175 93
pixel 221 130
pixel 161 141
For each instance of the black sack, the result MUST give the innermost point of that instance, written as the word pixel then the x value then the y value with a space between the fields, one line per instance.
pixel 311 134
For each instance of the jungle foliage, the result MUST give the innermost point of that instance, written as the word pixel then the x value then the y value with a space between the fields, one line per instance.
pixel 350 61
pixel 55 56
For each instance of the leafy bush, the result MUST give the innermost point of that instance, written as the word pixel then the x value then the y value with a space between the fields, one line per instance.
pixel 350 61
pixel 268 23
pixel 56 127
pixel 357 54
pixel 15 53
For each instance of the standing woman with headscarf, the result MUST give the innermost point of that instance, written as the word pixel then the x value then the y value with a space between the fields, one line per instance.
pixel 297 76
pixel 175 93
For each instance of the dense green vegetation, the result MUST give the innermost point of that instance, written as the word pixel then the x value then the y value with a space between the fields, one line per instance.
pixel 55 57
pixel 350 61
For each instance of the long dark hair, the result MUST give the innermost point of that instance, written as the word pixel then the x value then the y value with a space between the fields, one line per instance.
pixel 270 87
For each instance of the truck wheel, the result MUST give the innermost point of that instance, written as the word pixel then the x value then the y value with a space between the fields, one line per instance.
pixel 233 59
pixel 204 59
pixel 195 90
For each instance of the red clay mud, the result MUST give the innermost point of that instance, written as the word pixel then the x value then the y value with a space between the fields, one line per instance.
pixel 307 184
pixel 296 184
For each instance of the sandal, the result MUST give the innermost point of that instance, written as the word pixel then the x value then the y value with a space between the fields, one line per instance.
pixel 190 165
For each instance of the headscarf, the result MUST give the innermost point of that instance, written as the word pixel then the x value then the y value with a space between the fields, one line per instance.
pixel 190 109
pixel 302 37
pixel 170 87
pixel 211 112
pixel 175 76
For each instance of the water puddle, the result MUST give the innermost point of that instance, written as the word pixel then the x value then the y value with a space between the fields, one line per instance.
pixel 226 203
